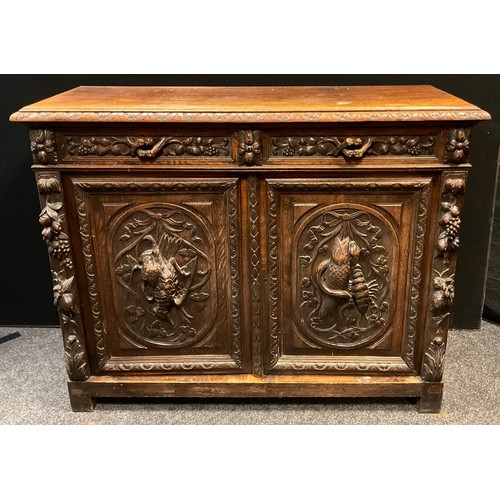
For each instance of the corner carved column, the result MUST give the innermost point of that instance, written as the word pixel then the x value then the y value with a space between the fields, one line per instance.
pixel 442 290
pixel 55 234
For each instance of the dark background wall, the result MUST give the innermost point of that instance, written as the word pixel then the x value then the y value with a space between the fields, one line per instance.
pixel 26 297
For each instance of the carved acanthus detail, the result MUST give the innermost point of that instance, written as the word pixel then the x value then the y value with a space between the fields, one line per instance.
pixel 344 271
pixel 145 147
pixel 250 147
pixel 353 147
pixel 457 146
pixel 43 147
pixel 47 185
pixel 433 363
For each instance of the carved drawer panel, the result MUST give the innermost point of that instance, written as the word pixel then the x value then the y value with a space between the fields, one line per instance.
pixel 375 144
pixel 345 260
pixel 250 148
pixel 144 147
pixel 162 267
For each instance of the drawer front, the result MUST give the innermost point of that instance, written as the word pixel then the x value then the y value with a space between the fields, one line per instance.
pixel 345 264
pixel 227 146
pixel 161 262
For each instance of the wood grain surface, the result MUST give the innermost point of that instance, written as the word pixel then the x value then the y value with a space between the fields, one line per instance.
pixel 243 104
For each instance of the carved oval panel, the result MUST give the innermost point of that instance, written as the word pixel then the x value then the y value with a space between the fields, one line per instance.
pixel 345 258
pixel 161 267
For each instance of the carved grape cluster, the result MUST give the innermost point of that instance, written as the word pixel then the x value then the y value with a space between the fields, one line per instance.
pixel 448 239
pixel 57 241
pixel 60 249
pixel 210 151
pixel 450 221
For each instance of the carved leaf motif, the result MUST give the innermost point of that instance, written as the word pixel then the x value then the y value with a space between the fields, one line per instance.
pixel 51 211
pixel 75 359
pixel 136 312
pixel 67 284
pixel 454 186
pixel 48 185
pixel 433 365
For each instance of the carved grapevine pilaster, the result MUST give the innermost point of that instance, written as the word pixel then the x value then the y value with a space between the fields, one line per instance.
pixel 52 219
pixel 443 289
pixel 457 146
pixel 43 147
pixel 250 147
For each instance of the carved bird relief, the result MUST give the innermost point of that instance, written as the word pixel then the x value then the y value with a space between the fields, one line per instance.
pixel 163 280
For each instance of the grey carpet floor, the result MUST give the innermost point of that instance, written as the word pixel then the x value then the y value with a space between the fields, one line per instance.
pixel 33 391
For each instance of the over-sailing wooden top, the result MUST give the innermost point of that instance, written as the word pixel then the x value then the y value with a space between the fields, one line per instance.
pixel 251 104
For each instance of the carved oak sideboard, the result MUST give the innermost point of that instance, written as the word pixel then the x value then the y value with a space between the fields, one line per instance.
pixel 252 241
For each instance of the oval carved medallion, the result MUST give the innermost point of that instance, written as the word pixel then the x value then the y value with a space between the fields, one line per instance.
pixel 165 291
pixel 344 259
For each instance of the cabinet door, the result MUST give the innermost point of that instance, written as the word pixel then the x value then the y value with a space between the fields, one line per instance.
pixel 345 264
pixel 160 269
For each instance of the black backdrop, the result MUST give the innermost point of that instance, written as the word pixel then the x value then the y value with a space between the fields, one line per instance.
pixel 26 282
